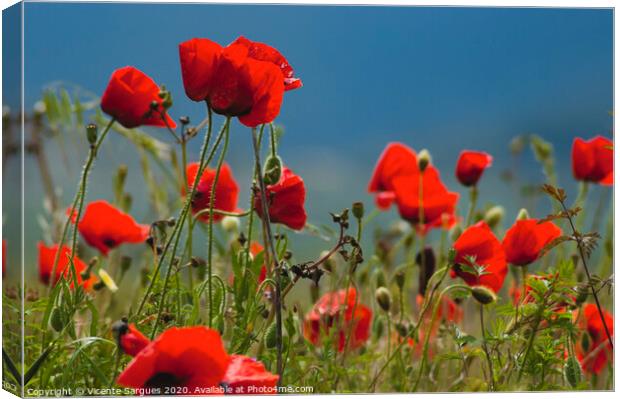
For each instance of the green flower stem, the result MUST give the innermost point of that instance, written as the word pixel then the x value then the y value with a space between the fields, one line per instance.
pixel 78 201
pixel 211 214
pixel 269 244
pixel 473 198
pixel 177 231
pixel 486 350
pixel 185 210
pixel 427 334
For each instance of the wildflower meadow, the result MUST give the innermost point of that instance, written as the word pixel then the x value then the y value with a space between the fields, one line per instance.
pixel 209 294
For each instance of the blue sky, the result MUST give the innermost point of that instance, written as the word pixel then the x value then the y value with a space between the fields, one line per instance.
pixel 438 78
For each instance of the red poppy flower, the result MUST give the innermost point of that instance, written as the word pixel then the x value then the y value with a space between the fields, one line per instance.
pixel 264 52
pixel 128 99
pixel 471 165
pixel 248 376
pixel 438 204
pixel 231 81
pixel 47 256
pixel 594 351
pixel 326 313
pixel 132 341
pixel 479 242
pixel 525 240
pixel 593 160
pixel 286 201
pixel 396 160
pixel 226 192
pixel 105 227
pixel 192 357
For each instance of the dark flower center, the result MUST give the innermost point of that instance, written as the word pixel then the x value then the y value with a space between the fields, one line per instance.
pixel 109 242
pixel 164 380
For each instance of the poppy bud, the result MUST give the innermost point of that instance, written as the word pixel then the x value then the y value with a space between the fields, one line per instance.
pixel 358 210
pixel 483 294
pixel 91 133
pixel 230 224
pixel 523 214
pixel 272 170
pixel 56 320
pixel 402 329
pixel 542 149
pixel 494 216
pixel 572 371
pixel 424 159
pixel 384 298
pixel 400 279
pixel 184 120
pixel 328 264
pixel 91 265
pixel 270 336
pixel 427 269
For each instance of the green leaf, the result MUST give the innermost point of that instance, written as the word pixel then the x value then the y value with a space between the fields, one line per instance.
pixel 32 371
pixel 11 367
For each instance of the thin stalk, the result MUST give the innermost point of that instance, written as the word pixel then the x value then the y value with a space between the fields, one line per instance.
pixel 473 198
pixel 185 210
pixel 486 350
pixel 79 202
pixel 270 245
pixel 211 208
pixel 585 266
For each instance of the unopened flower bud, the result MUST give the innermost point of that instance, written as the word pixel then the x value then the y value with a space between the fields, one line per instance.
pixel 494 216
pixel 230 224
pixel 91 133
pixel 328 265
pixel 424 159
pixel 384 298
pixel 400 279
pixel 585 342
pixel 483 294
pixel 523 214
pixel 272 170
pixel 517 144
pixel 358 210
pixel 427 263
pixel 184 120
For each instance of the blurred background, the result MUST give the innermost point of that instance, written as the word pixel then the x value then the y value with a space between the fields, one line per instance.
pixel 445 79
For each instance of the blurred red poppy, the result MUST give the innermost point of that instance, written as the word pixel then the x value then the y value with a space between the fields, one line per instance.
pixel 593 350
pixel 232 81
pixel 396 160
pixel 438 204
pixel 526 239
pixel 471 165
pixel 226 191
pixel 47 256
pixel 128 99
pixel 132 341
pixel 326 313
pixel 105 227
pixel 264 52
pixel 480 244
pixel 286 201
pixel 593 160
pixel 448 311
pixel 248 376
pixel 190 357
